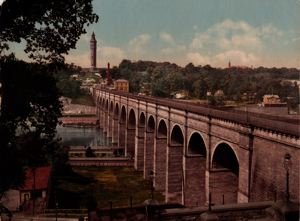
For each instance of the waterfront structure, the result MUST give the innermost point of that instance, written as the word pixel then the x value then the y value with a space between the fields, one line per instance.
pixel 197 150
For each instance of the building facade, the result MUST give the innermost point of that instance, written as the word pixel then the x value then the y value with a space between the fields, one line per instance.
pixel 121 85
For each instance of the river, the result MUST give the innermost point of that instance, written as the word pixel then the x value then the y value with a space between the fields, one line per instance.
pixel 73 136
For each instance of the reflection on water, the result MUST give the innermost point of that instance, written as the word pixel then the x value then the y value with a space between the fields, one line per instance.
pixel 72 136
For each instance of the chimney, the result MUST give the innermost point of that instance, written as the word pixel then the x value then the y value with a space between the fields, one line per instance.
pixel 108 79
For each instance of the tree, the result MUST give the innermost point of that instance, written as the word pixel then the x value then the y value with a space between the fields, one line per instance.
pixel 200 88
pixel 48 28
pixel 31 97
pixel 30 106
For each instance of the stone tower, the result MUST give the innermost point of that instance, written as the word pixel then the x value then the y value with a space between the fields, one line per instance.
pixel 93 47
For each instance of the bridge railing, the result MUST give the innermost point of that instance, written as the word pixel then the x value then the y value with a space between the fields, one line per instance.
pixel 274 123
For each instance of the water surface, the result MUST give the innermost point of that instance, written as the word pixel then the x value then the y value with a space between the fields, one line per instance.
pixel 72 136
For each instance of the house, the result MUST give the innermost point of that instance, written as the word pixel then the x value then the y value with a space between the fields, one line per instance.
pixel 36 183
pixel 121 85
pixel 219 93
pixel 180 94
pixel 35 190
pixel 272 100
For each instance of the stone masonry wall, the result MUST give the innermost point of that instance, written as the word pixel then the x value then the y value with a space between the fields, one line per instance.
pixel 148 153
pixel 139 149
pixel 194 189
pixel 268 173
pixel 223 182
pixel 174 174
pixel 160 164
pixel 122 135
pixel 115 135
pixel 130 139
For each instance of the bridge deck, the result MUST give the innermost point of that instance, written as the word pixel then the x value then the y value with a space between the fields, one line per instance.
pixel 279 124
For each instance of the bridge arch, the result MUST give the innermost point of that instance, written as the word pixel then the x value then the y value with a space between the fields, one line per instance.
pixel 116 111
pixel 149 146
pixel 98 100
pixel 130 134
pixel 177 138
pixel 103 103
pixel 225 147
pixel 98 104
pixel 123 114
pixel 162 130
pixel 140 142
pixel 175 166
pixel 115 123
pixel 151 124
pixel 111 108
pixel 131 119
pixel 122 129
pixel 106 104
pixel 160 156
pixel 105 116
pixel 195 167
pixel 110 113
pixel 224 174
pixel 142 120
pixel 196 145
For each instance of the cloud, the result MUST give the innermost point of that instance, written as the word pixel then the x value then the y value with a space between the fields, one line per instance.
pixel 247 42
pixel 113 55
pixel 199 41
pixel 140 40
pixel 237 41
pixel 296 39
pixel 237 57
pixel 269 31
pixel 166 37
pixel 137 46
pixel 82 59
pixel 229 34
pixel 197 58
pixel 105 54
pixel 172 50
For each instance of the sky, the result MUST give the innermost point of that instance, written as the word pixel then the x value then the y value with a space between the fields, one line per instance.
pixel 246 33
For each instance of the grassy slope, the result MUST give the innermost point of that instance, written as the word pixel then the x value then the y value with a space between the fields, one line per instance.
pixel 106 184
pixel 84 100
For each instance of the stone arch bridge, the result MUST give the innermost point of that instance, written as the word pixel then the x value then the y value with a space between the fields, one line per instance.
pixel 196 150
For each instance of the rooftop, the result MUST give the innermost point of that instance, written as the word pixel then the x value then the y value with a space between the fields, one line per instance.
pixel 42 175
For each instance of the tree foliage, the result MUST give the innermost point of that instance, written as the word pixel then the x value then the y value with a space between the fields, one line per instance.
pixel 48 28
pixel 29 114
pixel 30 107
pixel 166 79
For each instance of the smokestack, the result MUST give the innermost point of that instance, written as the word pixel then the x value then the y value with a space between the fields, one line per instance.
pixel 108 79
